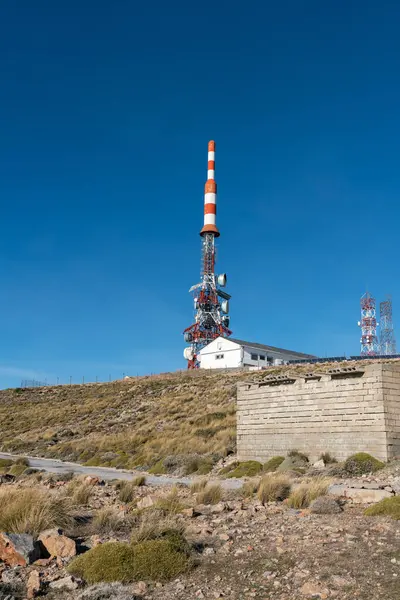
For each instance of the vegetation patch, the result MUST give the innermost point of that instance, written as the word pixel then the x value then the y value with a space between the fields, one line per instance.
pixel 250 488
pixel 307 491
pixel 387 507
pixel 273 463
pixel 31 511
pixel 211 494
pixel 155 560
pixel 273 487
pixel 248 468
pixel 362 463
pixel 171 502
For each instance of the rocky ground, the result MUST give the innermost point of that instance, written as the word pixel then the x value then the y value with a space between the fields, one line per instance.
pixel 241 547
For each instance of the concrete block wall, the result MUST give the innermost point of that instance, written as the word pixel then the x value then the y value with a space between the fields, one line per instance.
pixel 339 413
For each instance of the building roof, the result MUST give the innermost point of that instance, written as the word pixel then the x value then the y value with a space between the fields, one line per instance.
pixel 270 348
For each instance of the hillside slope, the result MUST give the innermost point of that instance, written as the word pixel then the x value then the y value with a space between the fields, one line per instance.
pixel 126 424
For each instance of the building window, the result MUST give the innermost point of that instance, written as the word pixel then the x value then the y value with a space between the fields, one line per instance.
pixel 261 357
pixel 254 357
pixel 219 356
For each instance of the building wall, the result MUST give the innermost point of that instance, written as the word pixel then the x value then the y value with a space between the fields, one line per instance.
pixel 221 354
pixel 340 414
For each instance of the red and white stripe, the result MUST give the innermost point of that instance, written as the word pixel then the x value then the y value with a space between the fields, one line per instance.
pixel 210 195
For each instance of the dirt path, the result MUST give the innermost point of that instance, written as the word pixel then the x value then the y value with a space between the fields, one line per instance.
pixel 51 465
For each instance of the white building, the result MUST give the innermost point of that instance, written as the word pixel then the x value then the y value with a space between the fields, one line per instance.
pixel 229 353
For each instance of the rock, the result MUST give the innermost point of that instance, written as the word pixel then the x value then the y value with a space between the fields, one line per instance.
pixel 224 537
pixel 7 478
pixel 67 583
pixel 312 590
pixel 140 588
pixel 18 549
pixel 95 540
pixel 291 463
pixel 325 505
pixel 338 581
pixel 217 508
pixel 91 480
pixel 56 544
pixel 199 594
pixel 188 512
pixel 359 495
pixel 146 502
pixel 33 584
pixel 319 465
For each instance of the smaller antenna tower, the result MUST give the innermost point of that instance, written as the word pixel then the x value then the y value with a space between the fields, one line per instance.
pixel 369 339
pixel 388 341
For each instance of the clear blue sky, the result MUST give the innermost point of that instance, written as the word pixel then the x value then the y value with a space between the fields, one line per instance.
pixel 105 113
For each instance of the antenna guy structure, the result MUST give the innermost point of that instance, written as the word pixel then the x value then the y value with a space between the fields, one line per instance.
pixel 387 339
pixel 211 303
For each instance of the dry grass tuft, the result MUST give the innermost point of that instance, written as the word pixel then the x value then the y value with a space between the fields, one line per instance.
pixel 307 491
pixel 171 502
pixel 108 520
pixel 31 511
pixel 127 489
pixel 211 494
pixel 273 487
pixel 198 486
pixel 155 524
pixel 81 494
pixel 250 488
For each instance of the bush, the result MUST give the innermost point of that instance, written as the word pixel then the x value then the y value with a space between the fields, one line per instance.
pixel 158 468
pixel 362 463
pixel 22 460
pixel 16 470
pixel 153 524
pixel 5 463
pixel 82 494
pixel 327 458
pixel 307 491
pixel 107 520
pixel 250 488
pixel 297 454
pixel 248 468
pixel 388 506
pixel 273 487
pixel 156 560
pixel 273 463
pixel 198 486
pixel 127 491
pixel 31 511
pixel 171 502
pixel 212 494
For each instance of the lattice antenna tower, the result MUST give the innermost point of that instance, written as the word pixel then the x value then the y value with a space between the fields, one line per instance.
pixel 387 339
pixel 211 304
pixel 369 339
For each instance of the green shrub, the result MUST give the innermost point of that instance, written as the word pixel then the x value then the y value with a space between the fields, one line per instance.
pixel 158 468
pixel 155 560
pixel 273 487
pixel 273 463
pixel 211 494
pixel 307 491
pixel 5 463
pixel 16 470
pixel 248 468
pixel 113 561
pixel 22 460
pixel 388 506
pixel 362 463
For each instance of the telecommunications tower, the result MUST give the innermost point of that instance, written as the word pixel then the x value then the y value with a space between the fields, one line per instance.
pixel 369 339
pixel 388 341
pixel 211 304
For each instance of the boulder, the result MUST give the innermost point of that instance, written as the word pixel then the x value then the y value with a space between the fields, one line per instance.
pixel 325 505
pixel 360 495
pixel 67 583
pixel 56 544
pixel 291 463
pixel 18 549
pixel 33 584
pixel 319 465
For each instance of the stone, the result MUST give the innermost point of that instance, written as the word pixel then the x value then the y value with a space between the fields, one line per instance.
pixel 67 583
pixel 91 480
pixel 360 495
pixel 33 584
pixel 140 588
pixel 217 508
pixel 188 512
pixel 325 505
pixel 313 590
pixel 146 502
pixel 18 549
pixel 319 465
pixel 56 544
pixel 224 537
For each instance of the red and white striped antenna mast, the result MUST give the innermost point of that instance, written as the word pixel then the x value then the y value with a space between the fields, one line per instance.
pixel 211 304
